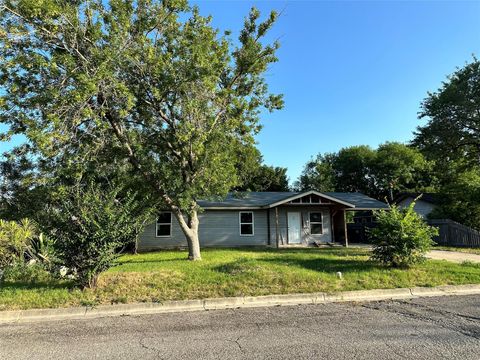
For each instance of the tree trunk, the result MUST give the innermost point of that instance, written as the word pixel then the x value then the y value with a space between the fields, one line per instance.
pixel 190 230
pixel 193 246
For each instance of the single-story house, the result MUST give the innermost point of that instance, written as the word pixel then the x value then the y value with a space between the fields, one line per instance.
pixel 276 219
pixel 423 206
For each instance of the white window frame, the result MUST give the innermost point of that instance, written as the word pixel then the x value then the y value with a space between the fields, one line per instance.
pixel 315 222
pixel 244 223
pixel 170 223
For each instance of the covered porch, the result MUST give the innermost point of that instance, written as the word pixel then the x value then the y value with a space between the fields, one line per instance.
pixel 314 219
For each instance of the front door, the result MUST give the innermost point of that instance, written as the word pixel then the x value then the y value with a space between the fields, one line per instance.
pixel 294 228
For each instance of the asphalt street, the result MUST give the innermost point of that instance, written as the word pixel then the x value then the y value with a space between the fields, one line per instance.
pixel 427 328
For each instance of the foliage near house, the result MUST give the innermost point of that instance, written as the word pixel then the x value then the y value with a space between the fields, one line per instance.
pixel 383 172
pixel 92 227
pixel 460 197
pixel 264 178
pixel 451 138
pixel 25 253
pixel 451 132
pixel 402 238
pixel 15 238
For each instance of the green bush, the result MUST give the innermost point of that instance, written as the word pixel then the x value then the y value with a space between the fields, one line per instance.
pixel 402 237
pixel 91 227
pixel 41 249
pixel 26 273
pixel 14 239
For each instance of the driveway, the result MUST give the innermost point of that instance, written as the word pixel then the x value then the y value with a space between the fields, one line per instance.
pixel 429 328
pixel 453 256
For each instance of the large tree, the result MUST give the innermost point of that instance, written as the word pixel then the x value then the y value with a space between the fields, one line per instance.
pixel 452 131
pixel 391 168
pixel 398 168
pixel 318 174
pixel 347 170
pixel 265 178
pixel 149 82
pixel 451 138
pixel 353 169
pixel 460 196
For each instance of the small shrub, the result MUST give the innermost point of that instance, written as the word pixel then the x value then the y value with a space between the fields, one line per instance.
pixel 26 273
pixel 402 237
pixel 92 226
pixel 40 248
pixel 14 240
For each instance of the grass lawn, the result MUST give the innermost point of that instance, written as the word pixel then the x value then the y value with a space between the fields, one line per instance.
pixel 167 275
pixel 459 249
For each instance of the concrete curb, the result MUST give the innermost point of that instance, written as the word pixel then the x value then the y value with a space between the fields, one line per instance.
pixel 232 303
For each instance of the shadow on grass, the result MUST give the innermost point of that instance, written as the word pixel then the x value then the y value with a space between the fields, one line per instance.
pixel 41 285
pixel 319 264
pixel 145 261
pixel 284 250
pixel 326 265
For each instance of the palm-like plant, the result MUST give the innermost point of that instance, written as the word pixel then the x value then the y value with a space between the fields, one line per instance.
pixel 15 237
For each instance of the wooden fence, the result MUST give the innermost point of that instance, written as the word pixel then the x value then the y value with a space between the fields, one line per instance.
pixel 452 233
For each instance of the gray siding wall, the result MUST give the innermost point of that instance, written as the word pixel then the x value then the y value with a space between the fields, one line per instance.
pixel 422 208
pixel 307 238
pixel 217 228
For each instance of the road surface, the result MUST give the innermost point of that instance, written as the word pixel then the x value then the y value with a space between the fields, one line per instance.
pixel 428 328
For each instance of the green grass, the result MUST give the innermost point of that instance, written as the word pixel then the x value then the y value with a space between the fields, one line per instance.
pixel 167 275
pixel 459 249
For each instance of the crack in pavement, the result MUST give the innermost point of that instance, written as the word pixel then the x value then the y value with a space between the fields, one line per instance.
pixel 237 341
pixel 442 321
pixel 157 351
pixel 440 311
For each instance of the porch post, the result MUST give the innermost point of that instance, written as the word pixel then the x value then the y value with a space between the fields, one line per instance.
pixel 345 227
pixel 277 235
pixel 269 230
pixel 332 225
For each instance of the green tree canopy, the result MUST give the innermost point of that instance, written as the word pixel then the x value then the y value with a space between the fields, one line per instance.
pixel 150 83
pixel 265 178
pixel 385 171
pixel 459 198
pixel 451 138
pixel 318 174
pixel 400 168
pixel 353 168
pixel 452 131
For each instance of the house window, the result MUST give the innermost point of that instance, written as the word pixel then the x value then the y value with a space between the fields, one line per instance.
pixel 164 224
pixel 316 226
pixel 246 223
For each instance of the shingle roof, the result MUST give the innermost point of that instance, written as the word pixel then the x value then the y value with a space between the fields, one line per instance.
pixel 361 201
pixel 248 199
pixel 427 197
pixel 265 199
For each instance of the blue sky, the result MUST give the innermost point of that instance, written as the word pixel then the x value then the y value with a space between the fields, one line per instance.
pixel 352 72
